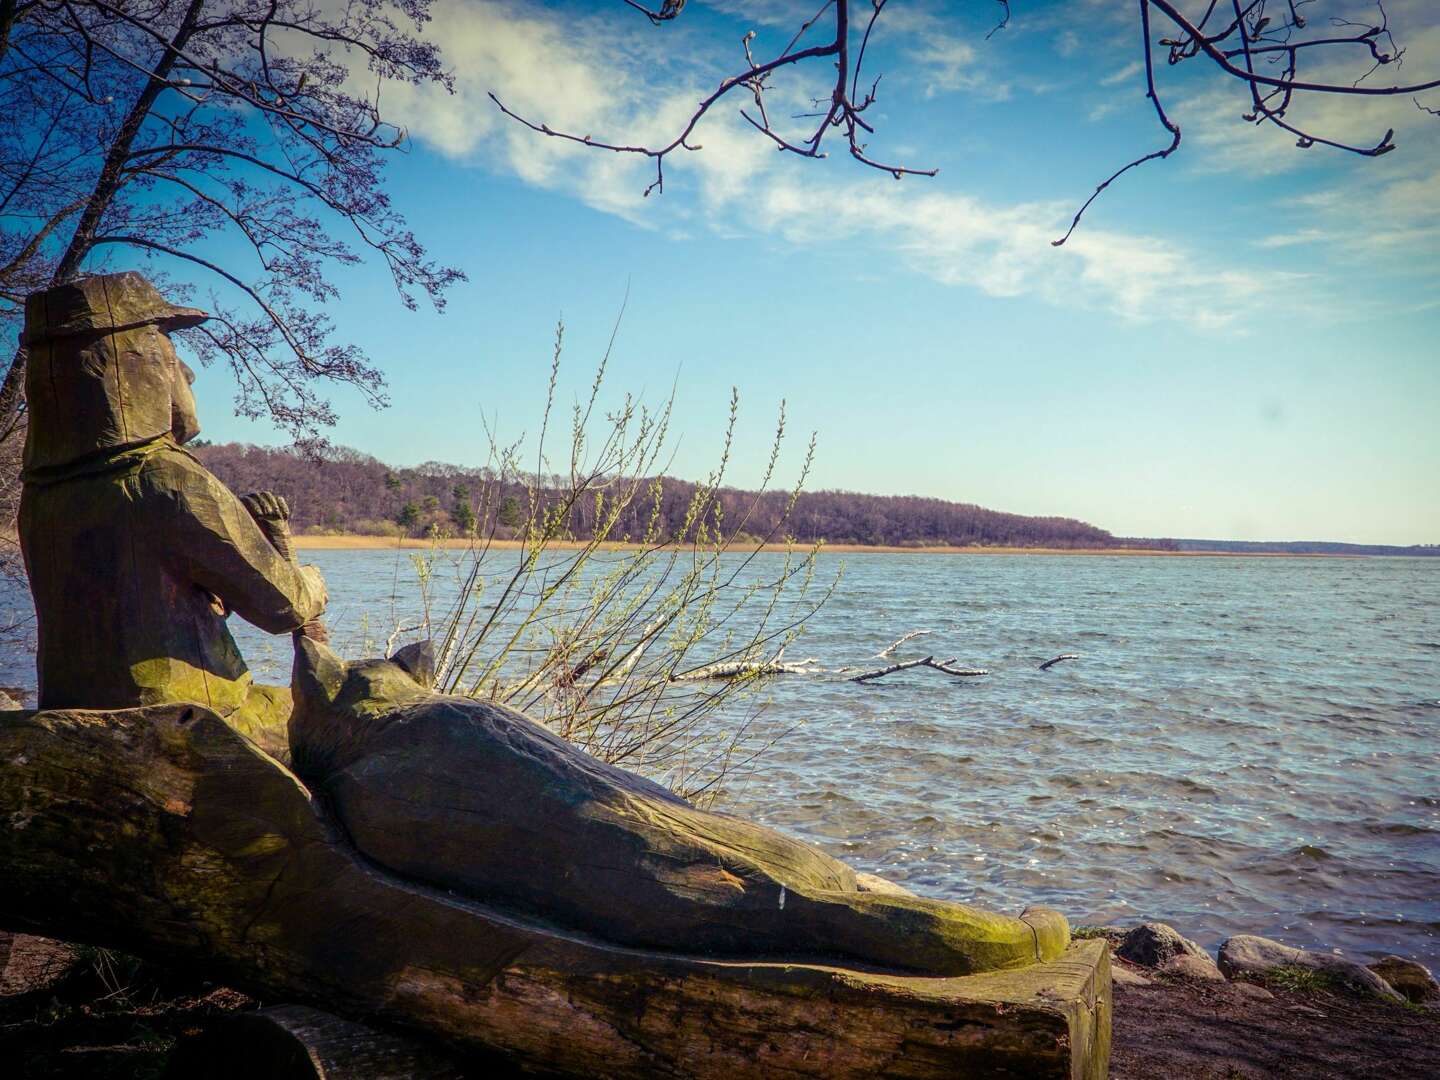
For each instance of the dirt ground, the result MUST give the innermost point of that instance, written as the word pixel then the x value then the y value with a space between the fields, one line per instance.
pixel 83 1014
pixel 1183 1030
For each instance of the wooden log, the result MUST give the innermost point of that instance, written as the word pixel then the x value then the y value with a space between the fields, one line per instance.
pixel 296 1042
pixel 162 832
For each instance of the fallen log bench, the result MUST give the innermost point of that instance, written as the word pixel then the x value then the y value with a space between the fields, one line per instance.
pixel 162 832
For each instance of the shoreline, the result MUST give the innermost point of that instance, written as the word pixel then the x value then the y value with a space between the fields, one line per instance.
pixel 356 542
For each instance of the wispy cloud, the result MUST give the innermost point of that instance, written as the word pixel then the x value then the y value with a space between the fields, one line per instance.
pixel 1285 240
pixel 1125 74
pixel 1005 251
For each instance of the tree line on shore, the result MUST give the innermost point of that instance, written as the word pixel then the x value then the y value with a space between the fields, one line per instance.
pixel 345 491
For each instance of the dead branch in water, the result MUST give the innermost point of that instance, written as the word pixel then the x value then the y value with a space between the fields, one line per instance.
pixel 737 669
pixel 928 661
pixel 885 653
pixel 1048 664
pixel 746 667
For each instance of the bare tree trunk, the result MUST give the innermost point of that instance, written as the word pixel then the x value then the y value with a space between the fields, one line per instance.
pixel 9 10
pixel 162 832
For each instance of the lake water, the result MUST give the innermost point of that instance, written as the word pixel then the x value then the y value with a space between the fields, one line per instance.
pixel 1245 744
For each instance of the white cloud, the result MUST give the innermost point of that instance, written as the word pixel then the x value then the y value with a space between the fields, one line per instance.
pixel 1005 251
pixel 603 77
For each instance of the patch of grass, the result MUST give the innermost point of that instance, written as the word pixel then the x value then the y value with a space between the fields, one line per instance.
pixel 1301 980
pixel 1418 1009
pixel 117 975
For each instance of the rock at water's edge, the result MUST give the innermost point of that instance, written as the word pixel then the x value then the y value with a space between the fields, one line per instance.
pixel 1246 954
pixel 1411 979
pixel 1154 944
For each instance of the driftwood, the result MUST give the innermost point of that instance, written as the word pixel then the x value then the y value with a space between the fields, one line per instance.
pixel 748 667
pixel 737 669
pixel 927 661
pixel 1048 664
pixel 162 832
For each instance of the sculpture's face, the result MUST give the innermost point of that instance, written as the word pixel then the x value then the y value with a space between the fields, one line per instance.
pixel 323 681
pixel 184 420
pixel 105 389
pixel 338 704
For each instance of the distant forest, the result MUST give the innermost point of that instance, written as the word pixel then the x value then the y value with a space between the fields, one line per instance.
pixel 350 492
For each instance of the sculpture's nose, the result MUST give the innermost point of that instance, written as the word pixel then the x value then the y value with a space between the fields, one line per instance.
pixel 187 371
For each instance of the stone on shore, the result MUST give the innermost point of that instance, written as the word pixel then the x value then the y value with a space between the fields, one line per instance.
pixel 1412 980
pixel 1253 991
pixel 1121 975
pixel 1248 955
pixel 1194 967
pixel 1155 945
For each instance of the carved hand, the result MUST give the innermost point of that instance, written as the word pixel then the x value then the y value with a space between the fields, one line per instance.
pixel 272 513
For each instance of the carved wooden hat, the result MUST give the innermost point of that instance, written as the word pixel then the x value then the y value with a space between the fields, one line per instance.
pixel 99 377
pixel 100 303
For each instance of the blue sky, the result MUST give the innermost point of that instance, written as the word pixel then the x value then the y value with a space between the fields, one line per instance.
pixel 1242 341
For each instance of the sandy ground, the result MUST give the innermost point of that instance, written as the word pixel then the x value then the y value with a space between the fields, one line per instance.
pixel 345 542
pixel 60 1016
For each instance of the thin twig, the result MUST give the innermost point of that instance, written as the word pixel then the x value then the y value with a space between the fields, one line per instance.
pixel 889 649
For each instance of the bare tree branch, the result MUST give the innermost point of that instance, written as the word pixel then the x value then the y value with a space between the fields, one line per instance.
pixel 166 125
pixel 889 650
pixel 842 111
pixel 1232 47
pixel 928 661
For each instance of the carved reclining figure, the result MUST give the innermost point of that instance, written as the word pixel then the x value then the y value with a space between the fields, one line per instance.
pixel 478 799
